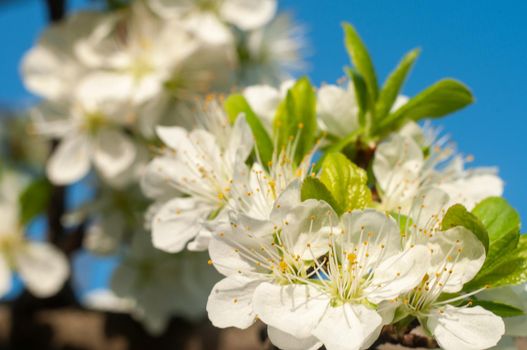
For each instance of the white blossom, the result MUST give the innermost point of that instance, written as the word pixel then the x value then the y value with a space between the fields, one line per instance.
pixel 457 256
pixel 41 266
pixel 246 14
pixel 90 129
pixel 136 51
pixel 193 177
pixel 269 54
pixel 404 173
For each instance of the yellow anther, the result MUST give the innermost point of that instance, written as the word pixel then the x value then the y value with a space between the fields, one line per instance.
pixel 283 266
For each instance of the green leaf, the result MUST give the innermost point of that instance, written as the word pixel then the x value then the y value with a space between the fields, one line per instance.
pixel 313 188
pixel 502 310
pixel 510 269
pixel 295 119
pixel 442 98
pixel 361 59
pixel 458 215
pixel 34 200
pixel 361 93
pixel 506 261
pixel 346 181
pixel 393 85
pixel 237 104
pixel 503 226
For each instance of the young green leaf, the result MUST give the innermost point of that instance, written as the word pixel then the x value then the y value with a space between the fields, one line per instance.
pixel 503 226
pixel 509 269
pixel 295 120
pixel 361 59
pixel 500 309
pixel 442 98
pixel 237 104
pixel 346 182
pixel 34 199
pixel 457 215
pixel 313 188
pixel 393 84
pixel 361 92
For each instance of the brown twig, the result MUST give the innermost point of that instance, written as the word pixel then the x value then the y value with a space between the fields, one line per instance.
pixel 56 9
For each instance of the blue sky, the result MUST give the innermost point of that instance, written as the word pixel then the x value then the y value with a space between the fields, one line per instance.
pixel 482 43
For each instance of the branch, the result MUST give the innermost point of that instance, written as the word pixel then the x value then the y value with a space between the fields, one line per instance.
pixel 56 9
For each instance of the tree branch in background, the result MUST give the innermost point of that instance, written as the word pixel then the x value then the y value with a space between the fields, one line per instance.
pixel 56 9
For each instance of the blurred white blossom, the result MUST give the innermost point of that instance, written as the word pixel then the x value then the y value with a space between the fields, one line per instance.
pixel 41 266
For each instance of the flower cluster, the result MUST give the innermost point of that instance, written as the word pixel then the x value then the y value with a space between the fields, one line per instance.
pixel 331 213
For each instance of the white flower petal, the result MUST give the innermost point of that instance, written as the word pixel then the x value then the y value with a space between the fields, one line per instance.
pixel 373 228
pixel 42 267
pixel 397 165
pixel 230 302
pixel 114 153
pixel 471 328
pixel 71 160
pixel 172 136
pixel 201 242
pixel 169 8
pixel 209 29
pixel 337 110
pixel 473 188
pixel 52 119
pixel 294 309
pixel 347 327
pixel 306 229
pixel 106 92
pixel 224 247
pixel 177 222
pixel 459 252
pixel 427 210
pixel 157 175
pixel 398 274
pixel 5 277
pixel 240 143
pixel 47 74
pixel 248 14
pixel 286 201
pixel 50 68
pixel 264 101
pixel 413 130
pixel 286 341
pixel 9 213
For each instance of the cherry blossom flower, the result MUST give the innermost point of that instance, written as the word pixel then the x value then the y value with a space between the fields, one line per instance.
pixel 193 178
pixel 41 266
